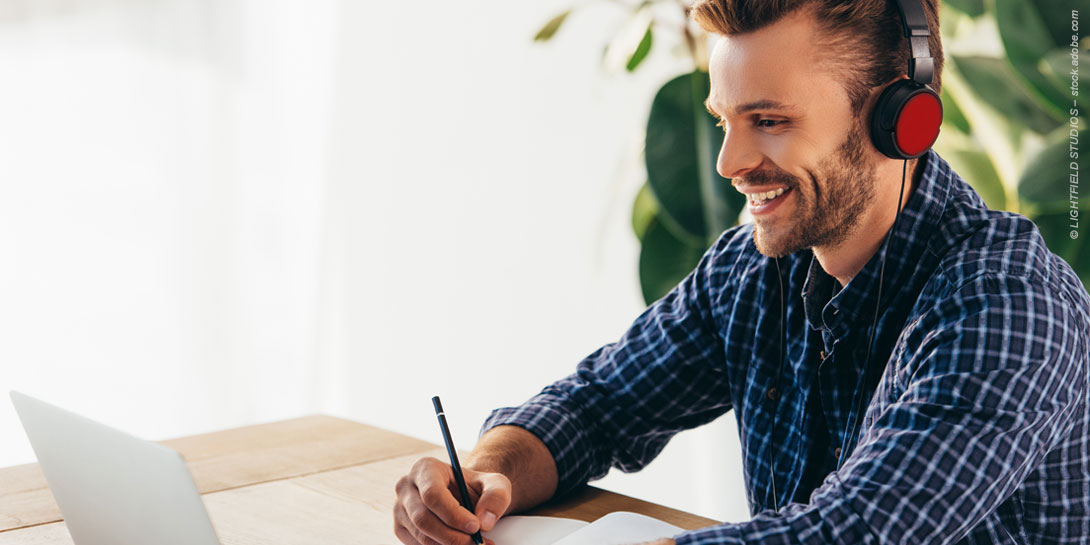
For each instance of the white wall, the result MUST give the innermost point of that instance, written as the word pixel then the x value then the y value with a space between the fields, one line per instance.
pixel 220 213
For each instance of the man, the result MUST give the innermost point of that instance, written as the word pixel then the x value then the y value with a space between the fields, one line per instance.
pixel 976 426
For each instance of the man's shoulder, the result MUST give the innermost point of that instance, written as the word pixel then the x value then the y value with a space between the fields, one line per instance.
pixel 992 242
pixel 973 241
pixel 994 253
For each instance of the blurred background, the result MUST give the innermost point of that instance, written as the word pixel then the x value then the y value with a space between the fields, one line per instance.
pixel 216 213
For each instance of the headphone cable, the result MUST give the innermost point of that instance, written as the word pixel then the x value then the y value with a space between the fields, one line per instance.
pixel 866 367
pixel 779 375
pixel 877 304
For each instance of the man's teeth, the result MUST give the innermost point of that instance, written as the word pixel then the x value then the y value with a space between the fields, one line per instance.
pixel 760 198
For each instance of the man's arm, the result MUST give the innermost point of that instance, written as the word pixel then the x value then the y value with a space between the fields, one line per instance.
pixel 992 377
pixel 523 459
pixel 627 399
pixel 624 402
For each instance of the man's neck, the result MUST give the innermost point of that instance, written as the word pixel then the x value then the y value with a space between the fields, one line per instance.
pixel 846 259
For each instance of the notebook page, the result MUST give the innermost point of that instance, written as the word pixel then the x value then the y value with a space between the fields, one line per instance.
pixel 532 530
pixel 620 528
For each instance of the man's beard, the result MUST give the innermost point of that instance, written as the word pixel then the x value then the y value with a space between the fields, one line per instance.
pixel 828 214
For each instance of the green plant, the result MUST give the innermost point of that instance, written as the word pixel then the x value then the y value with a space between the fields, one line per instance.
pixel 1009 113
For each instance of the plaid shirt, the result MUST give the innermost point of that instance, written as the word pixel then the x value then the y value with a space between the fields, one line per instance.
pixel 977 428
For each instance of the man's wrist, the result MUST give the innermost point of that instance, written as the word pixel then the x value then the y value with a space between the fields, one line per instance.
pixel 496 452
pixel 519 455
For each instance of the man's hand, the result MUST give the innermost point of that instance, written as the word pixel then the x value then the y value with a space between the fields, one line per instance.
pixel 663 541
pixel 427 509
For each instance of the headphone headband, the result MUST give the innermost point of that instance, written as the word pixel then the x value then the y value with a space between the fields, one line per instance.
pixel 921 67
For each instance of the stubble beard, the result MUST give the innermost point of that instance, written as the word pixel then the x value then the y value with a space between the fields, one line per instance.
pixel 825 215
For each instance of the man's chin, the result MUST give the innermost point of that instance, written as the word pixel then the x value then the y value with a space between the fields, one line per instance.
pixel 774 245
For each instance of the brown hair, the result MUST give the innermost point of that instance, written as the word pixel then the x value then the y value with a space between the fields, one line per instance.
pixel 864 38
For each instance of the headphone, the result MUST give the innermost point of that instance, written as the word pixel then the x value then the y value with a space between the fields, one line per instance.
pixel 904 124
pixel 906 118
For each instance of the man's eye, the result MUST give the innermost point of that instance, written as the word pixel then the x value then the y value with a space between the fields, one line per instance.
pixel 770 123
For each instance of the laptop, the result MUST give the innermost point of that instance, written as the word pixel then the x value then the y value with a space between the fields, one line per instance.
pixel 113 488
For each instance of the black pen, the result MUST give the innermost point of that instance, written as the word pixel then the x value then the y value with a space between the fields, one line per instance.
pixel 458 477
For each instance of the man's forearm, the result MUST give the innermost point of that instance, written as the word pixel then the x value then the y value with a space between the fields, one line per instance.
pixel 523 459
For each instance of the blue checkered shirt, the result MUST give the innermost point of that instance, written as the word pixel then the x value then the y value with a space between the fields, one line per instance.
pixel 977 428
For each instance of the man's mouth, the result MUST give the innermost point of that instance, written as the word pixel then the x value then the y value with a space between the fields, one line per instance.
pixel 766 202
pixel 758 199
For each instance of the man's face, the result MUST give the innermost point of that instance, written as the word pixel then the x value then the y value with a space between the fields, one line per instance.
pixel 809 144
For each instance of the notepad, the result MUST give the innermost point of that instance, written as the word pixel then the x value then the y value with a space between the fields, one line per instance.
pixel 620 528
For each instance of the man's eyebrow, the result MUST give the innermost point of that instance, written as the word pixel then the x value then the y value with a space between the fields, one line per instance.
pixel 765 104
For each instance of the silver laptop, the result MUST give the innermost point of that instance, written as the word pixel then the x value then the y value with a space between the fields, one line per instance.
pixel 113 488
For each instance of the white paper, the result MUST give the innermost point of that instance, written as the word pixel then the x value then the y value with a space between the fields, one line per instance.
pixel 620 528
pixel 528 530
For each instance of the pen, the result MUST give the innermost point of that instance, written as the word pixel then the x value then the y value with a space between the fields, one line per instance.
pixel 458 477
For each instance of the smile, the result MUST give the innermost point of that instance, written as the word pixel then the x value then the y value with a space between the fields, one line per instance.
pixel 756 199
pixel 766 202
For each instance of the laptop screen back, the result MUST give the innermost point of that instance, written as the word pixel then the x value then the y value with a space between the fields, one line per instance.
pixel 113 488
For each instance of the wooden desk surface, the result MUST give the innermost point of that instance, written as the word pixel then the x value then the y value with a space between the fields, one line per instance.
pixel 316 479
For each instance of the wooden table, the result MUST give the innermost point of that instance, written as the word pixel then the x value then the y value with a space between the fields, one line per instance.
pixel 315 479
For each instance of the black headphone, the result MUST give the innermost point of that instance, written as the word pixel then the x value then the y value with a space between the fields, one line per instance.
pixel 904 125
pixel 906 118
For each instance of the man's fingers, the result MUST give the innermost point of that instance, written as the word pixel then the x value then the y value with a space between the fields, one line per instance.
pixel 403 534
pixel 437 496
pixel 495 498
pixel 425 526
pixel 418 535
pixel 428 512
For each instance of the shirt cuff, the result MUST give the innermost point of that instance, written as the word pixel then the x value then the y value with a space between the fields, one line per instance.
pixel 560 430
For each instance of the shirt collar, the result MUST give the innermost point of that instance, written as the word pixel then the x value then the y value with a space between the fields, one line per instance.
pixel 911 232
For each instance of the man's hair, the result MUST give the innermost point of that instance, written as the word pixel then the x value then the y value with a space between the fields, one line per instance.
pixel 864 39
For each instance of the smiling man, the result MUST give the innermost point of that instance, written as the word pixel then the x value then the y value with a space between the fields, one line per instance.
pixel 940 399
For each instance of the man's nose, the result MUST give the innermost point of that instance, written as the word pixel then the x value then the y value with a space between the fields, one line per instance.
pixel 737 155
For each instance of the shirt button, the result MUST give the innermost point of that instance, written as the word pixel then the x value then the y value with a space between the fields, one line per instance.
pixel 773 394
pixel 822 354
pixel 836 453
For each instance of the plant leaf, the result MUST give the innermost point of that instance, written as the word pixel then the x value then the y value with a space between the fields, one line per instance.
pixel 952 116
pixel 994 83
pixel 551 27
pixel 1056 15
pixel 968 7
pixel 641 50
pixel 674 160
pixel 1026 40
pixel 976 167
pixel 644 210
pixel 1056 66
pixel 1046 176
pixel 664 261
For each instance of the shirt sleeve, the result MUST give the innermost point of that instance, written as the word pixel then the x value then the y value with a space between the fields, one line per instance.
pixel 627 399
pixel 991 380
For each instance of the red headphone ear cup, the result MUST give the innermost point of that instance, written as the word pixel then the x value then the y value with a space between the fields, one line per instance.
pixel 918 125
pixel 906 119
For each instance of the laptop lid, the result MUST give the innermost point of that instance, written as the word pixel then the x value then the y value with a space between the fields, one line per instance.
pixel 113 488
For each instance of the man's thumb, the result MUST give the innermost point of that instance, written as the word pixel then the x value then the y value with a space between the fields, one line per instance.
pixel 495 499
